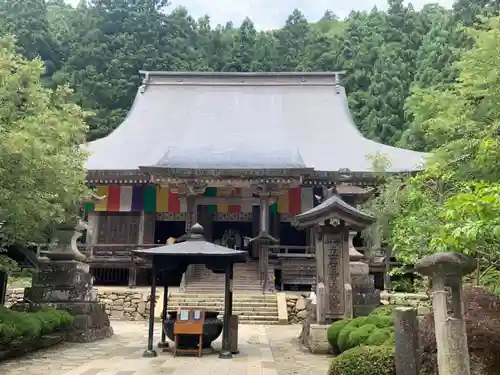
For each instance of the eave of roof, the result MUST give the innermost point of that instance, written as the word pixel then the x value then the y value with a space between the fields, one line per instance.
pixel 185 121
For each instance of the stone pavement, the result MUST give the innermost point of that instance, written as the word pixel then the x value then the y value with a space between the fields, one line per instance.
pixel 265 350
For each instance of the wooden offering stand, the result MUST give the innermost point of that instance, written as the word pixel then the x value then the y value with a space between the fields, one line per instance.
pixel 189 321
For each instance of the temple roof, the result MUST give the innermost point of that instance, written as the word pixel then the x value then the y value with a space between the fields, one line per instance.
pixel 334 207
pixel 264 121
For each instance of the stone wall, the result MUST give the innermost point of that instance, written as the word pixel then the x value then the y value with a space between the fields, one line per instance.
pixel 419 300
pixel 121 303
pixel 297 303
pixel 297 307
pixel 133 304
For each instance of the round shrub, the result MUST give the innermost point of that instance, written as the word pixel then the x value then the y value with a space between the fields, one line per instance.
pixel 22 322
pixel 380 321
pixel 391 341
pixel 370 360
pixel 334 330
pixel 382 311
pixel 8 333
pixel 342 342
pixel 379 336
pixel 360 335
pixel 66 319
pixel 29 326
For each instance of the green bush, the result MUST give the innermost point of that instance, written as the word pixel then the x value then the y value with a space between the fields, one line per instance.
pixel 342 342
pixel 391 341
pixel 360 335
pixel 380 321
pixel 382 311
pixel 15 325
pixel 379 336
pixel 369 360
pixel 8 333
pixel 334 331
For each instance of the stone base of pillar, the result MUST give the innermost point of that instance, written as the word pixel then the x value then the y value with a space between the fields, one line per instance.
pixel 365 298
pixel 318 341
pixel 67 285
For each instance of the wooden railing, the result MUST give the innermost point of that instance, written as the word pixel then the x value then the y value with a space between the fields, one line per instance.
pixel 120 252
pixel 282 251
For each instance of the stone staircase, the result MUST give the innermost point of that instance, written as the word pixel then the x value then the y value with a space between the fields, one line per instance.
pixel 246 278
pixel 251 308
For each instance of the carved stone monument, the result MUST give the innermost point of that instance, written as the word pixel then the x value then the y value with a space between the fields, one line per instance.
pixel 365 298
pixel 64 281
pixel 446 271
pixel 331 221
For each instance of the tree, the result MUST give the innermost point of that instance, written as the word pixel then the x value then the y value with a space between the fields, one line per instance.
pixel 454 204
pixel 41 162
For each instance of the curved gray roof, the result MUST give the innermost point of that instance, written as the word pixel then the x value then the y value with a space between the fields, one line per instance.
pixel 240 121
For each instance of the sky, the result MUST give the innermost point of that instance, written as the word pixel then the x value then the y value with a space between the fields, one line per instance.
pixel 268 14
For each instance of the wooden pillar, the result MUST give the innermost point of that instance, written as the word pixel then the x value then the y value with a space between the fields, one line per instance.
pixel 228 310
pixel 132 272
pixel 191 212
pixel 150 352
pixel 255 231
pixel 163 342
pixel 92 234
pixel 191 219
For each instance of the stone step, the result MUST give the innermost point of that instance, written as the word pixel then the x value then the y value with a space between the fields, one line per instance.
pixel 248 302
pixel 242 314
pixel 218 297
pixel 250 318
pixel 220 306
pixel 212 290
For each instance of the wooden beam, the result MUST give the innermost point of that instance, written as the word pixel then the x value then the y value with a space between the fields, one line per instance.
pixel 230 201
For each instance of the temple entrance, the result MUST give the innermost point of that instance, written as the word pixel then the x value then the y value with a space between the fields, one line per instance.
pixel 166 229
pixel 231 233
pixel 290 236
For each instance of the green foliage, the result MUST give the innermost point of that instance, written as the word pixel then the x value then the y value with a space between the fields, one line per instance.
pixel 490 279
pixel 16 325
pixel 334 331
pixel 382 311
pixel 348 333
pixel 343 339
pixel 380 321
pixel 370 360
pixel 98 48
pixel 391 340
pixel 360 335
pixel 41 162
pixel 379 337
pixel 454 204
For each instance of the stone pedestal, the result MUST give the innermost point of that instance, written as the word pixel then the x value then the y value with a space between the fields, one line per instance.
pixel 318 339
pixel 365 298
pixel 66 284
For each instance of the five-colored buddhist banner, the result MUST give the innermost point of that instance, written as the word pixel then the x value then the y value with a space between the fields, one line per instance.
pixel 123 198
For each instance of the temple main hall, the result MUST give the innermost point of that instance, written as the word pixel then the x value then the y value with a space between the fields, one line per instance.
pixel 239 153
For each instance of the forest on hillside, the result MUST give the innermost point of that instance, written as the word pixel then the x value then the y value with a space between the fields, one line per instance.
pixel 99 46
pixel 426 80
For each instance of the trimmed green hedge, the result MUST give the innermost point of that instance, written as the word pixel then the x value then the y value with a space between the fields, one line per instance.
pixel 374 329
pixel 17 325
pixel 369 360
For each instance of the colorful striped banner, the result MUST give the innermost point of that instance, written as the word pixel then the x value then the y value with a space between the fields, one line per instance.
pixel 154 199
